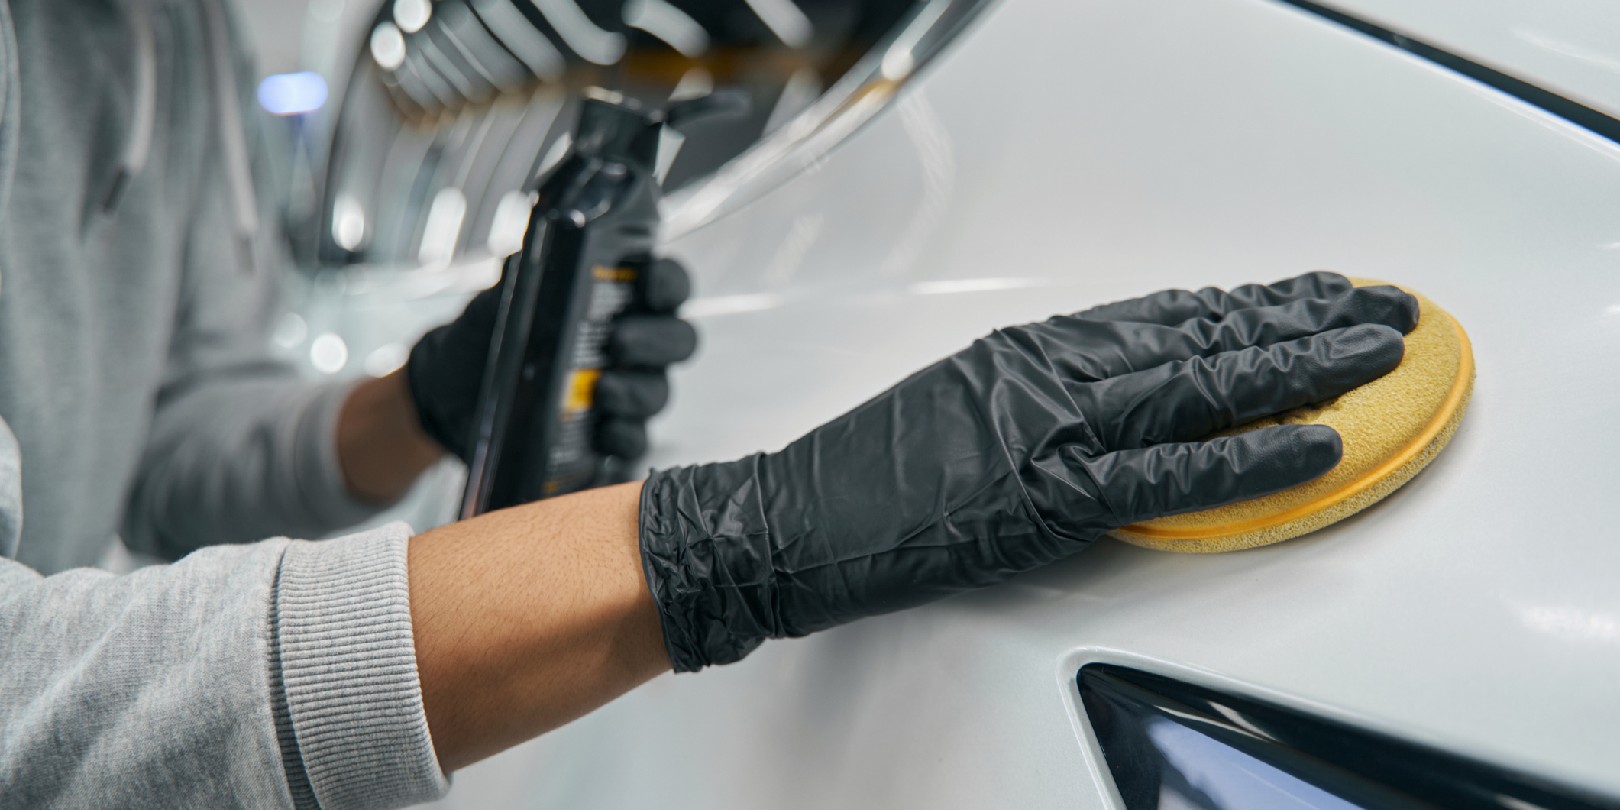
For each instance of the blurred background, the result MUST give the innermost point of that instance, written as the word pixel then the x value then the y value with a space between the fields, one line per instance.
pixel 409 134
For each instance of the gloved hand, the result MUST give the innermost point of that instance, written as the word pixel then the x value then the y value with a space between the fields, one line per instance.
pixel 1013 453
pixel 446 366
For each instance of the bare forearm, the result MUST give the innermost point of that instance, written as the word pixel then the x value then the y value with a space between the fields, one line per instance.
pixel 530 617
pixel 380 442
pixel 525 618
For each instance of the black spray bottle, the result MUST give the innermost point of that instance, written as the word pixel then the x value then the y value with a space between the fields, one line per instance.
pixel 591 235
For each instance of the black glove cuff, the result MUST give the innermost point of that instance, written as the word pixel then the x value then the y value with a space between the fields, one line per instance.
pixel 706 551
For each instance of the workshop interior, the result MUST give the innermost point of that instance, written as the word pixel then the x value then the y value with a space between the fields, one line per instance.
pixel 859 187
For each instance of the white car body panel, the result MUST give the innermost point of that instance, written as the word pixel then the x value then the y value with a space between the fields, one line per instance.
pixel 1063 154
pixel 1571 47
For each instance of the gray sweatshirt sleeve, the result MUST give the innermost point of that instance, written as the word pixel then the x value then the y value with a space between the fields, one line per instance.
pixel 237 453
pixel 277 674
pixel 240 446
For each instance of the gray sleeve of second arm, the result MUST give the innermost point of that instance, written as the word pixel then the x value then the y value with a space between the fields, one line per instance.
pixel 236 454
pixel 241 446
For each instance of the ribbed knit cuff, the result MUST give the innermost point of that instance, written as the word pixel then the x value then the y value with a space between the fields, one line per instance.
pixel 317 471
pixel 348 666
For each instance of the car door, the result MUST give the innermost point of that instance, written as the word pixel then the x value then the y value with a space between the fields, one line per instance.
pixel 1061 154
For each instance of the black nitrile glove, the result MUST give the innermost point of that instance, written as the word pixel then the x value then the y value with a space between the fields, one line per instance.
pixel 1011 454
pixel 447 365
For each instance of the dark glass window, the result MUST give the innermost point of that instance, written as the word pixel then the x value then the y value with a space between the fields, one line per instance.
pixel 1173 745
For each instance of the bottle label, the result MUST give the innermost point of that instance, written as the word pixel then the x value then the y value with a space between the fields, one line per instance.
pixel 572 463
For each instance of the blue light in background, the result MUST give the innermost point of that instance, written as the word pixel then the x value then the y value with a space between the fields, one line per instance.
pixel 292 93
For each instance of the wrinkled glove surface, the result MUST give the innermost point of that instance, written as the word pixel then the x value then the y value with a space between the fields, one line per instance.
pixel 1011 454
pixel 446 366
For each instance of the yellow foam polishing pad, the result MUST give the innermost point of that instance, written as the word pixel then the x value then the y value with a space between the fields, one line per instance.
pixel 1392 428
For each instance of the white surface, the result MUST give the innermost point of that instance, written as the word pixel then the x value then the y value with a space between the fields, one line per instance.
pixel 1571 47
pixel 1068 153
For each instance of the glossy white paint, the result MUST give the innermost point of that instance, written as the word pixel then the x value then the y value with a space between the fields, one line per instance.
pixel 1068 153
pixel 1571 47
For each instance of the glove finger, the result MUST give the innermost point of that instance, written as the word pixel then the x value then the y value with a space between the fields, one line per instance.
pixel 665 286
pixel 623 438
pixel 651 341
pixel 1191 399
pixel 1170 307
pixel 1121 348
pixel 632 394
pixel 1169 479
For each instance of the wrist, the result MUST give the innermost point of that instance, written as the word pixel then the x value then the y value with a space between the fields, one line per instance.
pixel 381 445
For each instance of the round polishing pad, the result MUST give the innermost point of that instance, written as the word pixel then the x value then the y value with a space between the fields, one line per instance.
pixel 1392 427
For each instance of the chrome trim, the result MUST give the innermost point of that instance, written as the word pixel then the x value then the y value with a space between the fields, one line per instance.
pixel 851 102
